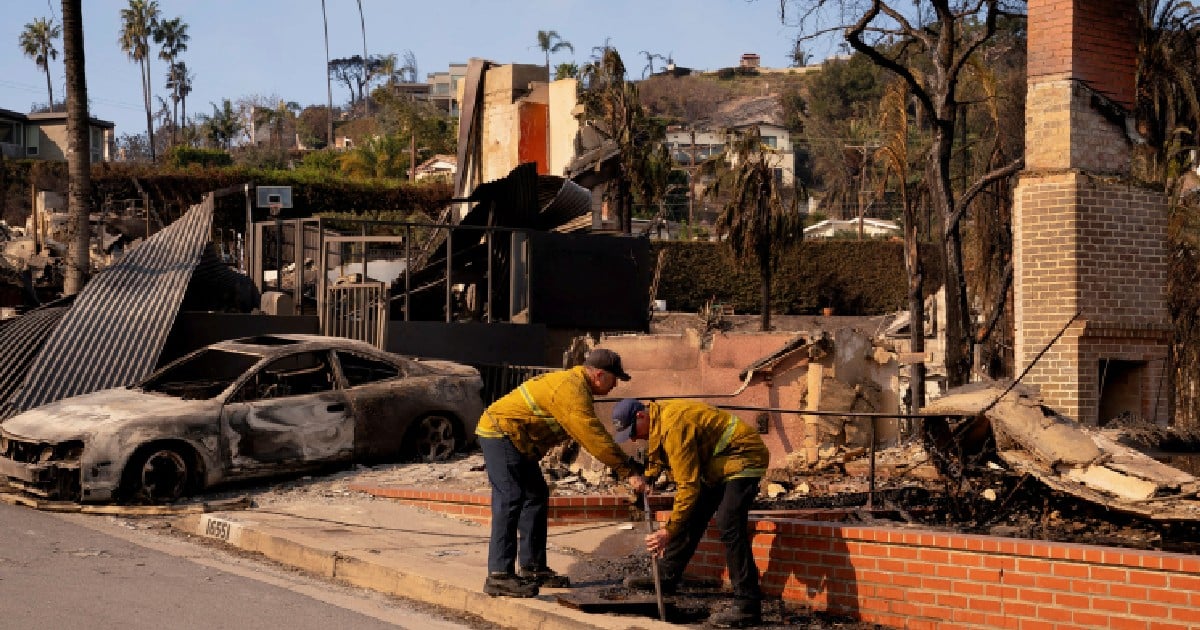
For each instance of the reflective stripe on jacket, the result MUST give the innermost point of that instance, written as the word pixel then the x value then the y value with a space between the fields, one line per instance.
pixel 701 445
pixel 546 410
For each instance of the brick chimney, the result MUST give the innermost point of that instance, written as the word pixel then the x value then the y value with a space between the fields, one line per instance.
pixel 1086 238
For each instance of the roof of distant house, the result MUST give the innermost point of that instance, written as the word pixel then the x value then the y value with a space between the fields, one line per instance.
pixel 51 117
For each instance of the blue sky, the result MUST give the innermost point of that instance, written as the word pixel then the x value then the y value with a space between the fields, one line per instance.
pixel 276 47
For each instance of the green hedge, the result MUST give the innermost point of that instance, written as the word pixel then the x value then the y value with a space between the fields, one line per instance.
pixel 183 156
pixel 853 277
pixel 173 190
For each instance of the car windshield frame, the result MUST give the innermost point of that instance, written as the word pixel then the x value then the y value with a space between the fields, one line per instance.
pixel 202 375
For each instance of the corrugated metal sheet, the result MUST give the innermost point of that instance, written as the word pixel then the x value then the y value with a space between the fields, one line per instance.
pixel 114 333
pixel 20 341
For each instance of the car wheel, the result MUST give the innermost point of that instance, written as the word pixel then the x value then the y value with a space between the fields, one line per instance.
pixel 158 475
pixel 431 439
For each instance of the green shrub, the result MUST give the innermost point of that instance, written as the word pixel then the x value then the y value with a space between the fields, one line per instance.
pixel 183 156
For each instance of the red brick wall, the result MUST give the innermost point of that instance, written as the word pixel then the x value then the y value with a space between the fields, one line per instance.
pixel 916 579
pixel 924 579
pixel 1089 40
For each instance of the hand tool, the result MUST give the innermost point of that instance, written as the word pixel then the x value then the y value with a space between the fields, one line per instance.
pixel 662 608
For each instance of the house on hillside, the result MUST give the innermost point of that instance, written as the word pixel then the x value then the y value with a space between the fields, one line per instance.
pixel 440 166
pixel 688 146
pixel 777 143
pixel 43 136
pixel 444 88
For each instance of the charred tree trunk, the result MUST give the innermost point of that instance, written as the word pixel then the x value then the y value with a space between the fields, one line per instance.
pixel 916 308
pixel 764 269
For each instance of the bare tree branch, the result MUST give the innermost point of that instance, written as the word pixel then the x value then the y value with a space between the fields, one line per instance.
pixel 983 182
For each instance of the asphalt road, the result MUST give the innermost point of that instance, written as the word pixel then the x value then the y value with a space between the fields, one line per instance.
pixel 78 571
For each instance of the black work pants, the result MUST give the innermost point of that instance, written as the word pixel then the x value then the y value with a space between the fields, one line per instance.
pixel 730 502
pixel 520 504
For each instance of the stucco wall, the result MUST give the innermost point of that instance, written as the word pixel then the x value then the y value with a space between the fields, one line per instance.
pixel 563 124
pixel 665 365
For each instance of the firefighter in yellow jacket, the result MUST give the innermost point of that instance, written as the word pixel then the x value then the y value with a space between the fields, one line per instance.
pixel 514 433
pixel 717 461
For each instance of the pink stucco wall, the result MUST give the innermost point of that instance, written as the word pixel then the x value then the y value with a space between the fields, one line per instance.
pixel 673 365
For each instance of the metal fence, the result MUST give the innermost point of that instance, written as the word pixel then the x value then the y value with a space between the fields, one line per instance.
pixel 357 311
pixel 498 380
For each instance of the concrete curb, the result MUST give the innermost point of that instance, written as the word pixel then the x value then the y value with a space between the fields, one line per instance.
pixel 354 569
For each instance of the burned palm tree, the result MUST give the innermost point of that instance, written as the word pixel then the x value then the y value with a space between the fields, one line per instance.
pixel 754 220
pixel 79 159
pixel 611 104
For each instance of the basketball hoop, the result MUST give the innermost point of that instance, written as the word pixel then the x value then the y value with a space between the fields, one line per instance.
pixel 275 208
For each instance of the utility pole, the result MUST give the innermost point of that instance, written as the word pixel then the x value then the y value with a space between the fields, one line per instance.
pixel 328 85
pixel 412 157
pixel 692 184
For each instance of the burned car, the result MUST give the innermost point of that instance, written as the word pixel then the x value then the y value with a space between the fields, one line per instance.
pixel 245 408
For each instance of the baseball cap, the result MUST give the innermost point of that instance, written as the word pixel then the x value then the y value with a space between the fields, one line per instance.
pixel 624 417
pixel 606 360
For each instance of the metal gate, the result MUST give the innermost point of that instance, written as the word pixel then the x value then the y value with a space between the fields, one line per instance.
pixel 357 311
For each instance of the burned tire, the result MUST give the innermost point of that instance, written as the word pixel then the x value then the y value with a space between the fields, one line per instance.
pixel 158 474
pixel 432 438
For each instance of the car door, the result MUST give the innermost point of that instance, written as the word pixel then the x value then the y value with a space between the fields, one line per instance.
pixel 289 414
pixel 385 400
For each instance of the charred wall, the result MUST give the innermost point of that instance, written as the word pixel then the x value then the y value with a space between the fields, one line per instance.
pixel 590 281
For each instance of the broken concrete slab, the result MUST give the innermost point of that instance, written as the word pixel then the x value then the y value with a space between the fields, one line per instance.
pixel 1108 480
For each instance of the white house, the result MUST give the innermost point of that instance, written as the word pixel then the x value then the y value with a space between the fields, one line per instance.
pixel 873 228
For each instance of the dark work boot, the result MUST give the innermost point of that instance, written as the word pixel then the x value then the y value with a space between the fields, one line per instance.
pixel 509 585
pixel 743 613
pixel 547 577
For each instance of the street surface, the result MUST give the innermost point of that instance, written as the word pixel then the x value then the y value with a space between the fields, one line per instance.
pixel 85 571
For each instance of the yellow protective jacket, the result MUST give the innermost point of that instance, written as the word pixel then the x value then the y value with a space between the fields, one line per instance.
pixel 701 445
pixel 548 409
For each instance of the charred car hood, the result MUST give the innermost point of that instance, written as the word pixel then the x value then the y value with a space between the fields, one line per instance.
pixel 74 417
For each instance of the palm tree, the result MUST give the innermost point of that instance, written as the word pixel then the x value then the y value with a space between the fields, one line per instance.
pixel 382 156
pixel 79 155
pixel 179 81
pixel 894 153
pixel 754 218
pixel 173 36
pixel 611 104
pixel 276 118
pixel 223 125
pixel 139 22
pixel 37 42
pixel 394 71
pixel 1168 96
pixel 389 69
pixel 550 42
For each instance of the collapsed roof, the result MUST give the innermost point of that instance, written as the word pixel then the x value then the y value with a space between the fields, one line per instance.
pixel 112 333
pixel 1082 461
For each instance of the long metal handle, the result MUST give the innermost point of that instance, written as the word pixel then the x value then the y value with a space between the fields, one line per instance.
pixel 662 607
